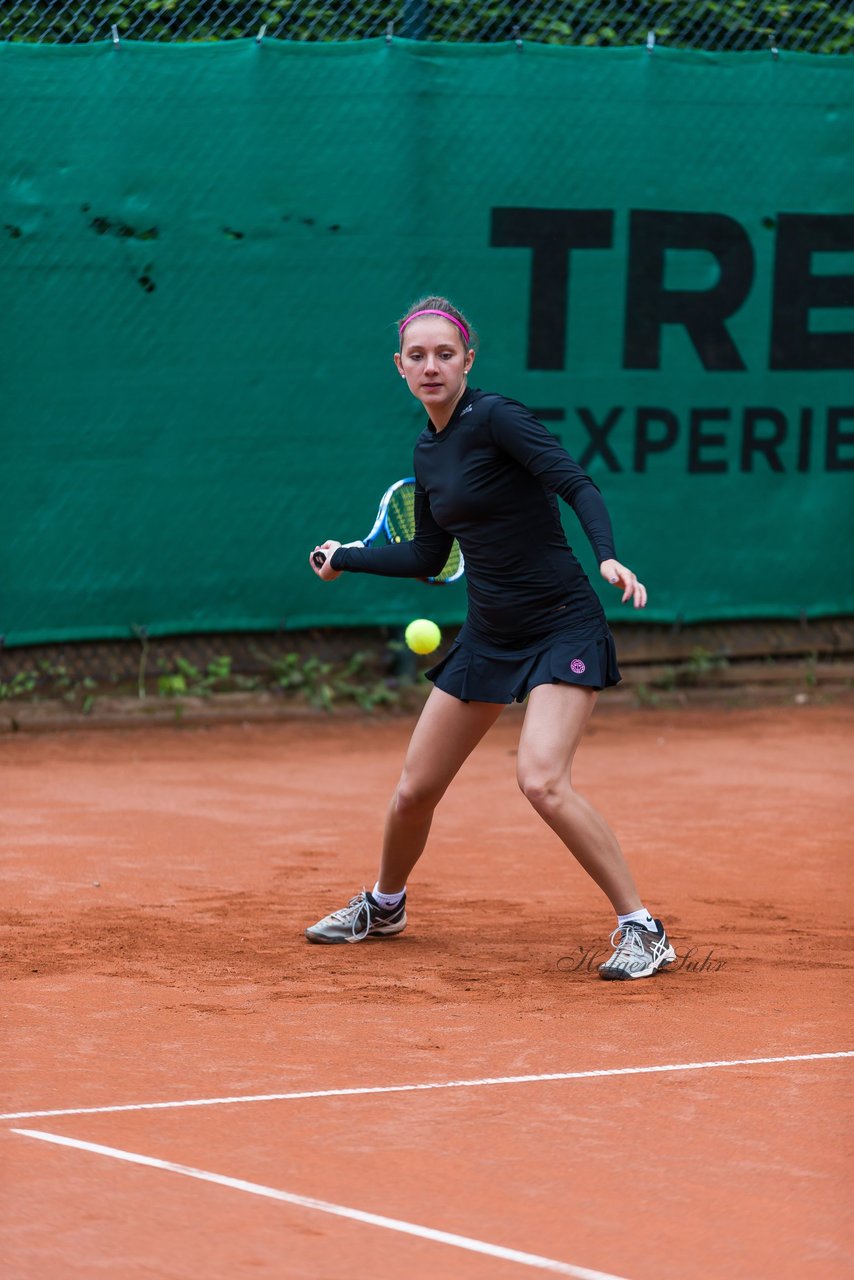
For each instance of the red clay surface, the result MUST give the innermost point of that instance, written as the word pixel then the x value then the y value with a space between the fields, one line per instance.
pixel 156 886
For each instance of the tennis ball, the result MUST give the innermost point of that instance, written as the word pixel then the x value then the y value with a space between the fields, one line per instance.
pixel 423 636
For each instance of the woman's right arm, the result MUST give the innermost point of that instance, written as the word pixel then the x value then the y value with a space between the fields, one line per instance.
pixel 424 557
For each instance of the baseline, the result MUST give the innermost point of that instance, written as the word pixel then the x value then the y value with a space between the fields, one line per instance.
pixel 336 1210
pixel 439 1084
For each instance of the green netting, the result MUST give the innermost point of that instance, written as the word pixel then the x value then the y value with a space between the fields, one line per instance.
pixel 204 249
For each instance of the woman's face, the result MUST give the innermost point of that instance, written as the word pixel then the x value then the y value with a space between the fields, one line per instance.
pixel 434 361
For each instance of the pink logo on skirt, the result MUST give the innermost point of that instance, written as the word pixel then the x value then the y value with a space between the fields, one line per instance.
pixel 577 666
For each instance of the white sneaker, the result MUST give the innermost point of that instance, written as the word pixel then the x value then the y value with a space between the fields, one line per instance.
pixel 362 918
pixel 639 953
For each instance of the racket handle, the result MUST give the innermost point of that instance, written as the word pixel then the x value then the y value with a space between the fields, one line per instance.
pixel 319 559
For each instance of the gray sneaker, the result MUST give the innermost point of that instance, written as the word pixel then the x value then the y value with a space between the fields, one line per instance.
pixel 361 918
pixel 639 953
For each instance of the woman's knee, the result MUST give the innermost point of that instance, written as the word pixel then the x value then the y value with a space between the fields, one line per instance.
pixel 416 797
pixel 543 787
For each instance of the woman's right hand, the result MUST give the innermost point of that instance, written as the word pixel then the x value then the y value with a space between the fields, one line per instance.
pixel 324 570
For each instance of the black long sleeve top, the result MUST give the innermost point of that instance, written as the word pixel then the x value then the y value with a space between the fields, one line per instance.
pixel 490 479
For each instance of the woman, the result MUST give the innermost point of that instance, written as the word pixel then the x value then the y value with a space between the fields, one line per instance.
pixel 487 473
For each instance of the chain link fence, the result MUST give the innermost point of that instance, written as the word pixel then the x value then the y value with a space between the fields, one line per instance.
pixel 808 26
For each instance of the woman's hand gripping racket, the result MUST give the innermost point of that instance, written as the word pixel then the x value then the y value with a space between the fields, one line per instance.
pixel 395 522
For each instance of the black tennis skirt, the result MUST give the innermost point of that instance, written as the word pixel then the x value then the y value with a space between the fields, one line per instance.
pixel 587 658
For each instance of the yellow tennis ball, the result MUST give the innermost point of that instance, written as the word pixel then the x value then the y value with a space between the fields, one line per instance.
pixel 423 636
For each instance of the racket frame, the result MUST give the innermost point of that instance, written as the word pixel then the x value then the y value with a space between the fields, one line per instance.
pixel 381 526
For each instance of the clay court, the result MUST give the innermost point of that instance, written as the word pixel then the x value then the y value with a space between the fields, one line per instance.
pixel 196 1091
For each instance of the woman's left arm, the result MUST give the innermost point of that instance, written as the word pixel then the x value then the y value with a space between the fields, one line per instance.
pixel 516 431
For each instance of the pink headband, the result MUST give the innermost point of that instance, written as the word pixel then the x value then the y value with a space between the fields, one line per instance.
pixel 432 312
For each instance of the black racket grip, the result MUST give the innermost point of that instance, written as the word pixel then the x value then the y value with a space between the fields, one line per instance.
pixel 319 559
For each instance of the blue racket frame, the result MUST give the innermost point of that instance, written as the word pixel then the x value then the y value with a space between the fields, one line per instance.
pixel 381 526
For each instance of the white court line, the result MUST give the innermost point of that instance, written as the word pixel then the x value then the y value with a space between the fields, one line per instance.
pixel 337 1210
pixel 415 1088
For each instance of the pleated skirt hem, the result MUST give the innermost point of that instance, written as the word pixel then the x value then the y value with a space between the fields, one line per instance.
pixel 589 660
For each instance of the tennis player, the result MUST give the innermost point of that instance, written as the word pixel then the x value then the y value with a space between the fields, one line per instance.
pixel 487 472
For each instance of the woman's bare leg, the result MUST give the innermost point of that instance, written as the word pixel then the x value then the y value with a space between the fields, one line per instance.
pixel 447 732
pixel 555 721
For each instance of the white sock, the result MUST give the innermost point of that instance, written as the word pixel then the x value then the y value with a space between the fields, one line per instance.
pixel 641 916
pixel 387 900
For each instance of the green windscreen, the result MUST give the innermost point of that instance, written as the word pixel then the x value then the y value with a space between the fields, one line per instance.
pixel 204 250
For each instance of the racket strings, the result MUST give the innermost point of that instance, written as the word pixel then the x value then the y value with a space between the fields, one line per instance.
pixel 400 517
pixel 452 565
pixel 400 527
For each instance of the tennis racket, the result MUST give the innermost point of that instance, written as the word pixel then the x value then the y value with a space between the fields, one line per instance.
pixel 395 522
